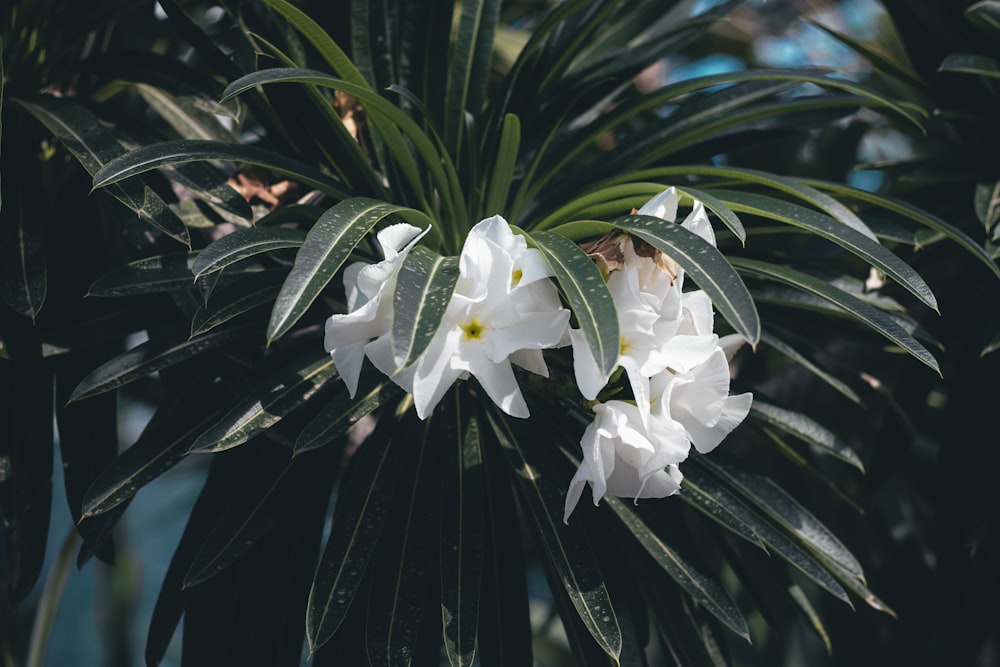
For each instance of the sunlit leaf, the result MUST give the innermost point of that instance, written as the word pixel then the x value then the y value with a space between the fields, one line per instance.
pixel 424 287
pixel 245 243
pixel 587 294
pixel 327 246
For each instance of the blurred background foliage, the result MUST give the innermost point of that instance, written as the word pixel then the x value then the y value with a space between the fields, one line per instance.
pixel 924 519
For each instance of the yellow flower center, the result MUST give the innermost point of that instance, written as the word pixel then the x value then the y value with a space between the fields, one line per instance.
pixel 515 277
pixel 624 346
pixel 473 329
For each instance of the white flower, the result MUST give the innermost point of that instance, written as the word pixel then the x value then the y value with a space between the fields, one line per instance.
pixel 369 289
pixel 620 458
pixel 660 325
pixel 503 310
pixel 699 401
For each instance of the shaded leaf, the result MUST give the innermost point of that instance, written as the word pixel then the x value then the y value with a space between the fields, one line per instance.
pixel 162 445
pixel 23 266
pixel 970 63
pixel 709 481
pixel 468 67
pixel 705 590
pixel 566 546
pixel 503 168
pixel 267 404
pixel 235 299
pixel 793 354
pixel 869 315
pixel 462 533
pixel 152 356
pixel 342 411
pixel 184 115
pixel 361 512
pixel 95 146
pixel 245 243
pixel 806 429
pixel 407 555
pixel 165 153
pixel 847 238
pixel 913 213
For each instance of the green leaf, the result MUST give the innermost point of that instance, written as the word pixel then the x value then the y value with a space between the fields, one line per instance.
pixel 315 35
pixel 327 246
pixel 146 158
pixel 587 294
pixel 799 358
pixel 407 556
pixel 244 243
pixel 719 208
pixel 253 506
pixel 566 545
pixel 807 430
pixel 710 482
pixel 987 204
pixel 792 516
pixel 163 444
pixel 184 115
pixel 468 67
pixel 388 118
pixel 267 404
pixel 23 266
pixel 344 411
pixel 867 314
pixel 462 534
pixel 849 239
pixel 706 266
pixel 503 168
pixel 235 299
pixel 705 590
pixel 210 185
pixel 161 273
pixel 985 13
pixel 95 146
pixel 970 63
pixel 913 213
pixel 424 287
pixel 152 356
pixel 362 506
pixel 879 59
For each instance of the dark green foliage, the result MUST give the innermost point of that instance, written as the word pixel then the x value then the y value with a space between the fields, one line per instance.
pixel 388 112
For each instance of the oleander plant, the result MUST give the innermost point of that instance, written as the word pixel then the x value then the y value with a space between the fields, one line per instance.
pixel 497 342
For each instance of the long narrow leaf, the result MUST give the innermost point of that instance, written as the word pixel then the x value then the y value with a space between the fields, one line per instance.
pixel 327 246
pixel 867 314
pixel 468 69
pixel 423 289
pixel 708 592
pixel 95 147
pixel 587 294
pixel 343 412
pixel 462 535
pixel 149 357
pixel 245 243
pixel 186 150
pixel 913 213
pixel 706 266
pixel 503 168
pixel 361 513
pixel 566 545
pixel 267 404
pixel 856 243
pixel 806 429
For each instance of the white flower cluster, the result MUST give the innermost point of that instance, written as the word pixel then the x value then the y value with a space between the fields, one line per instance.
pixel 677 367
pixel 505 310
